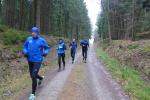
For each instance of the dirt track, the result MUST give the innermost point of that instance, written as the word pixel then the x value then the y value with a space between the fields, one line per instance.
pixel 80 81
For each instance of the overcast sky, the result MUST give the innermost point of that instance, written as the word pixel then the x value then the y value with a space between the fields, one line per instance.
pixel 93 7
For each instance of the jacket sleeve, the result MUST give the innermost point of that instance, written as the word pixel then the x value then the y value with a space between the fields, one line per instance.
pixel 45 47
pixel 25 47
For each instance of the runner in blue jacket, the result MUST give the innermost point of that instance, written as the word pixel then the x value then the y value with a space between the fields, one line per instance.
pixel 61 53
pixel 73 46
pixel 34 48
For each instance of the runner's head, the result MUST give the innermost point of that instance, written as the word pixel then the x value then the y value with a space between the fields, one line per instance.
pixel 35 32
pixel 60 40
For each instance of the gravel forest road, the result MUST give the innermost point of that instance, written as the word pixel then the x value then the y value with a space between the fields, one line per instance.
pixel 80 81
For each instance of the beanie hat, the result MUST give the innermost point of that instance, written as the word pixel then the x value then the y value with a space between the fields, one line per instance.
pixel 35 30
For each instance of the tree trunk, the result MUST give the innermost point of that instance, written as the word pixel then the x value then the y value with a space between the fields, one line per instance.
pixel 77 31
pixel 45 16
pixel 21 13
pixel 109 30
pixel 9 13
pixel 33 13
pixel 66 19
pixel 133 9
pixel 38 4
pixel 0 11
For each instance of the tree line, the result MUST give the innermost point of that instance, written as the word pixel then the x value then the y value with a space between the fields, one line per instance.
pixel 63 18
pixel 123 19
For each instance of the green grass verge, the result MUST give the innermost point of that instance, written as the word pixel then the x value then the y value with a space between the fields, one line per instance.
pixel 131 81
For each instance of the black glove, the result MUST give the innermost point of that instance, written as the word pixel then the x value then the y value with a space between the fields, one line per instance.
pixel 25 55
pixel 44 55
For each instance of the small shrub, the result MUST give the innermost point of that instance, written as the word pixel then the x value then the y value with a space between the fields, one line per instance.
pixel 3 28
pixel 132 46
pixel 13 37
pixel 147 49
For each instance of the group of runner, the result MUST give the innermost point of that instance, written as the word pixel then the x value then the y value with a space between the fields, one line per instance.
pixel 36 47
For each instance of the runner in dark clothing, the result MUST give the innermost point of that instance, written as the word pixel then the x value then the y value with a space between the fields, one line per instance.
pixel 73 46
pixel 85 44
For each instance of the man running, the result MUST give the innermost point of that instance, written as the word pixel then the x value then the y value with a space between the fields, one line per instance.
pixel 85 44
pixel 61 54
pixel 35 47
pixel 73 46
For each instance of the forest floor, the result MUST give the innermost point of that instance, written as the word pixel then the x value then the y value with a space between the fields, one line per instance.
pixel 128 63
pixel 135 54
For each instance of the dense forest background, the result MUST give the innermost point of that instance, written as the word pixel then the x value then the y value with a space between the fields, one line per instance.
pixel 124 19
pixel 63 18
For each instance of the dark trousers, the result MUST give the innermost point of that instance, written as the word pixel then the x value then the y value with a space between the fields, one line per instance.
pixel 84 53
pixel 73 54
pixel 34 68
pixel 61 57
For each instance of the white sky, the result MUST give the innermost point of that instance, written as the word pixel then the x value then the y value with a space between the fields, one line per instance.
pixel 94 9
